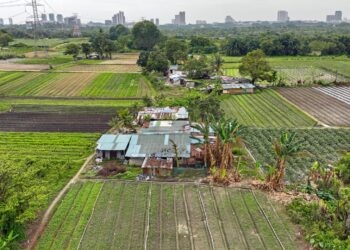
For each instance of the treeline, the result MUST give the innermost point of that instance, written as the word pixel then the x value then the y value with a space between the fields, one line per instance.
pixel 289 44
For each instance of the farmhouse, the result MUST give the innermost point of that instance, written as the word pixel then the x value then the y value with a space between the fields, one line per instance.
pixel 160 127
pixel 166 113
pixel 241 88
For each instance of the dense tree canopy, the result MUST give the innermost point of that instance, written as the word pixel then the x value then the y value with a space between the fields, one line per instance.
pixel 176 50
pixel 255 65
pixel 118 31
pixel 197 68
pixel 145 35
pixel 21 194
pixel 157 61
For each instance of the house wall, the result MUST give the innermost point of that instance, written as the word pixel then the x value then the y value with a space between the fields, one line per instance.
pixel 136 161
pixel 238 91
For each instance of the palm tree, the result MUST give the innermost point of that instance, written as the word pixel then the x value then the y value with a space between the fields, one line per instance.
pixel 284 147
pixel 217 63
pixel 228 132
pixel 176 151
pixel 204 129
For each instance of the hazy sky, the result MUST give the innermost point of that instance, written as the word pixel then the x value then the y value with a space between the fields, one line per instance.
pixel 210 10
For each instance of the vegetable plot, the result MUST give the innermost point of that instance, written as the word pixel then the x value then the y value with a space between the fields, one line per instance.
pixel 265 109
pixel 166 216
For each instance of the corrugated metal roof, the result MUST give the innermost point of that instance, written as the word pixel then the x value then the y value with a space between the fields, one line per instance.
pixel 113 142
pixel 238 86
pixel 158 145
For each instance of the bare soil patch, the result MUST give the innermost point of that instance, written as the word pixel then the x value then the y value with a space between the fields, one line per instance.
pixel 23 67
pixel 323 107
pixel 53 122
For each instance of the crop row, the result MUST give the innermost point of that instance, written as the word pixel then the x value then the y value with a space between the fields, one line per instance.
pixel 166 216
pixel 265 109
pixel 74 84
pixel 323 145
pixel 118 85
pixel 53 146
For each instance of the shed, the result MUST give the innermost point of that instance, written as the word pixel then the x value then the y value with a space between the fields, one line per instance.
pixel 242 88
pixel 158 146
pixel 112 146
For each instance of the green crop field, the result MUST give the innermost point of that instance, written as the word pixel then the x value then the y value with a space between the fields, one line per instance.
pixel 301 69
pixel 119 85
pixel 57 155
pixel 323 145
pixel 118 215
pixel 63 105
pixel 265 109
pixel 89 84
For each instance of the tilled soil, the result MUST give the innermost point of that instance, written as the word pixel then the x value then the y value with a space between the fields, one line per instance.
pixel 323 107
pixel 53 122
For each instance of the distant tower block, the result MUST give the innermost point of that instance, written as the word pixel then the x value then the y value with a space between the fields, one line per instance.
pixel 76 27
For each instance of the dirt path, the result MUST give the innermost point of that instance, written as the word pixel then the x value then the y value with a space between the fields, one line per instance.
pixel 32 241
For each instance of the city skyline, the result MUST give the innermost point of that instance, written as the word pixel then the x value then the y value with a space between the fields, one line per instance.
pixel 240 10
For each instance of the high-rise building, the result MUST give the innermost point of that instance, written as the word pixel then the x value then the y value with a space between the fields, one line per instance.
pixel 282 16
pixel 157 21
pixel 201 22
pixel 339 16
pixel 152 20
pixel 336 18
pixel 10 21
pixel 180 19
pixel 59 18
pixel 108 22
pixel 119 18
pixel 52 17
pixel 1 21
pixel 44 18
pixel 229 19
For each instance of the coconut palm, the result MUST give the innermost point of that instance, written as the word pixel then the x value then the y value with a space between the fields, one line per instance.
pixel 284 147
pixel 217 63
pixel 228 132
pixel 204 129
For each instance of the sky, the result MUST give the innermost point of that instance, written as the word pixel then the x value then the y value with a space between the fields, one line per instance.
pixel 209 10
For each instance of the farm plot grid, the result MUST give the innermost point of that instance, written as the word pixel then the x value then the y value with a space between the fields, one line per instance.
pixel 44 84
pixel 265 109
pixel 323 107
pixel 323 145
pixel 118 85
pixel 99 85
pixel 308 75
pixel 340 93
pixel 118 215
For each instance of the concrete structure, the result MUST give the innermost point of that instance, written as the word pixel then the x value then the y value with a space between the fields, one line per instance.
pixel 243 88
pixel 157 167
pixel 108 22
pixel 60 19
pixel 201 22
pixel 336 18
pixel 282 16
pixel 10 21
pixel 44 18
pixel 2 21
pixel 229 19
pixel 157 22
pixel 119 18
pixel 52 17
pixel 180 19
